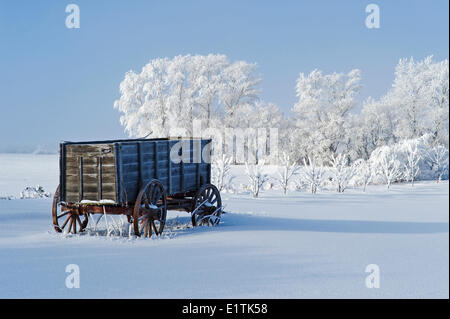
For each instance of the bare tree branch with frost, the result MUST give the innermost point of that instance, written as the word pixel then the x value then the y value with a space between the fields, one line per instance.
pixel 312 175
pixel 411 167
pixel 256 177
pixel 286 172
pixel 341 172
pixel 438 160
pixel 389 169
pixel 221 175
pixel 364 172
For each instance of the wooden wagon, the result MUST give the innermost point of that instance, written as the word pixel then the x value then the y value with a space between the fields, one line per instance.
pixel 139 178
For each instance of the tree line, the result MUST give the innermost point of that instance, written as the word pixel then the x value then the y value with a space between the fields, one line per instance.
pixel 327 120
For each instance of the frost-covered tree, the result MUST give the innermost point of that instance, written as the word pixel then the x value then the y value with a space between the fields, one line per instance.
pixel 287 170
pixel 258 121
pixel 256 177
pixel 171 93
pixel 410 95
pixel 377 123
pixel 417 104
pixel 322 112
pixel 341 171
pixel 439 103
pixel 411 167
pixel 238 91
pixel 363 172
pixel 312 175
pixel 221 172
pixel 438 160
pixel 386 165
pixel 143 104
pixel 209 82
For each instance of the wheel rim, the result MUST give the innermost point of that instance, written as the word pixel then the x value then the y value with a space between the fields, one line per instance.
pixel 152 197
pixel 207 208
pixel 67 220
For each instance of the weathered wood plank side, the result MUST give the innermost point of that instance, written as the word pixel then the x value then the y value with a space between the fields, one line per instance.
pixel 88 172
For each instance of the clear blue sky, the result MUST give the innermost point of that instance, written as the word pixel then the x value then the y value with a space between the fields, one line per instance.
pixel 60 84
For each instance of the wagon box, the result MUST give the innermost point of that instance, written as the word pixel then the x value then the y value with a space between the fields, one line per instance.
pixel 115 170
pixel 139 178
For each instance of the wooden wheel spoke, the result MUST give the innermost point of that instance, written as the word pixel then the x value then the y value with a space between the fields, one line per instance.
pixel 63 214
pixel 152 192
pixel 211 196
pixel 70 223
pixel 156 197
pixel 154 227
pixel 79 221
pixel 143 223
pixel 147 229
pixel 65 222
pixel 146 203
pixel 74 225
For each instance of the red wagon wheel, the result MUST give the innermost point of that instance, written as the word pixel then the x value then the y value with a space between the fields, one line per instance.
pixel 207 206
pixel 65 219
pixel 150 210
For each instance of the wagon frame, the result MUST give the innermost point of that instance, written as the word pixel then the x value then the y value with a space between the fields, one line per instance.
pixel 91 170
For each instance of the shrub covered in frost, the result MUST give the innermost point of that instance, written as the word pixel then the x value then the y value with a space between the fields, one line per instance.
pixel 312 176
pixel 221 173
pixel 256 177
pixel 34 192
pixel 408 160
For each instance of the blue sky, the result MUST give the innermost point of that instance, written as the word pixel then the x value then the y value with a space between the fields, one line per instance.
pixel 60 84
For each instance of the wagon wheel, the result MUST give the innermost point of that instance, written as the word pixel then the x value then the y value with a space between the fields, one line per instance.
pixel 67 219
pixel 207 206
pixel 150 210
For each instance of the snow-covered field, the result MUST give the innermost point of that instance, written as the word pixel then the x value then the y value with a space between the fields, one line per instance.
pixel 295 246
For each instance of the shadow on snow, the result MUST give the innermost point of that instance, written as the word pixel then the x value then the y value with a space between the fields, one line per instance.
pixel 243 222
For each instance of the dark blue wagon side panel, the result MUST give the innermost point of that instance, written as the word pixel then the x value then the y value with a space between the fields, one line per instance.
pixel 128 179
pixel 141 161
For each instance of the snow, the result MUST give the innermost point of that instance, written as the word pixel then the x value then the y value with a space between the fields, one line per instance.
pixel 295 246
pixel 99 202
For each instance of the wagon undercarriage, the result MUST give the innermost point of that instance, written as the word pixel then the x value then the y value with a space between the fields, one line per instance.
pixel 148 214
